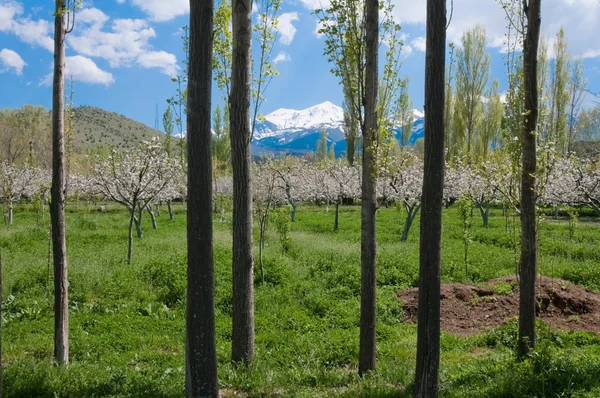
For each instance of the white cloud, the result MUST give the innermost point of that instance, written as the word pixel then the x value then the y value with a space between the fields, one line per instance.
pixel 285 28
pixel 320 25
pixel 407 50
pixel 35 32
pixel 282 57
pixel 124 43
pixel 418 43
pixel 163 10
pixel 580 18
pixel 315 4
pixel 8 11
pixel 91 16
pixel 83 70
pixel 159 59
pixel 11 60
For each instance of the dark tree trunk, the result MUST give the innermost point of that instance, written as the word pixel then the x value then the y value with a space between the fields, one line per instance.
pixel 138 221
pixel 170 210
pixel 368 302
pixel 201 349
pixel 242 338
pixel 0 323
pixel 428 334
pixel 528 264
pixel 57 192
pixel 411 213
pixel 130 236
pixel 336 221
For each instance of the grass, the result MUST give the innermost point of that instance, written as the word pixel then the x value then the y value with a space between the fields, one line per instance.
pixel 127 321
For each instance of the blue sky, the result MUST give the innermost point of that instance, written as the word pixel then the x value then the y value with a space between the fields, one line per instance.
pixel 123 52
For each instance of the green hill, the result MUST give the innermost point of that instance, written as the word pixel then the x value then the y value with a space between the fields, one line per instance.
pixel 95 126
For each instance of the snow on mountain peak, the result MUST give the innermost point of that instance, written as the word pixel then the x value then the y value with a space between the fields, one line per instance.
pixel 325 113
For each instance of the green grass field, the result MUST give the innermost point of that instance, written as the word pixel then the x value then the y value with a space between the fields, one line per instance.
pixel 127 322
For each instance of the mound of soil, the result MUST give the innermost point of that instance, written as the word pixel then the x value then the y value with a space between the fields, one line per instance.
pixel 468 309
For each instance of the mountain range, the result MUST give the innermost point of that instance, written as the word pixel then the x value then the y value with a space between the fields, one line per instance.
pixel 298 131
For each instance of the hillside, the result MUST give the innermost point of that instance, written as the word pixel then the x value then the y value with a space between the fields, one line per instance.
pixel 95 126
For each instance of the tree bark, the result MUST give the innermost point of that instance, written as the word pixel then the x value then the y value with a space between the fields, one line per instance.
pixel 242 339
pixel 368 302
pixel 528 263
pixel 57 192
pixel 201 349
pixel 152 216
pixel 170 210
pixel 411 213
pixel 428 334
pixel 10 212
pixel 0 322
pixel 336 220
pixel 130 236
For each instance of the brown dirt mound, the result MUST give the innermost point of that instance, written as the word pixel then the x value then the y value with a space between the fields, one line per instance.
pixel 468 309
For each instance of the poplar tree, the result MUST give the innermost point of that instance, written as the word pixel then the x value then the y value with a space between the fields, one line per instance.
pixel 428 332
pixel 472 75
pixel 559 76
pixel 64 22
pixel 201 378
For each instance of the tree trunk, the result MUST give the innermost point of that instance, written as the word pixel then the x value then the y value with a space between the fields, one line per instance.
pixel 428 334
pixel 242 338
pixel 130 236
pixel 0 323
pixel 57 204
pixel 411 213
pixel 595 207
pixel 336 221
pixel 138 222
pixel 201 348
pixel 10 212
pixel 152 216
pixel 528 262
pixel 485 214
pixel 261 246
pixel 368 302
pixel 170 210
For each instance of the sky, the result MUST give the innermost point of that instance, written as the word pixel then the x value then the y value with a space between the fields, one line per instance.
pixel 123 53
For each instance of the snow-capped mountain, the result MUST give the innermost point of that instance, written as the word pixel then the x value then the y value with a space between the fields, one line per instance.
pixel 297 131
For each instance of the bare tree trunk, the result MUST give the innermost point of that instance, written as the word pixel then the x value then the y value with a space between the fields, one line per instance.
pixel 0 322
pixel 170 210
pixel 130 239
pixel 368 301
pixel 57 205
pixel 152 216
pixel 242 339
pixel 201 348
pixel 336 220
pixel 10 212
pixel 428 334
pixel 411 213
pixel 138 221
pixel 528 265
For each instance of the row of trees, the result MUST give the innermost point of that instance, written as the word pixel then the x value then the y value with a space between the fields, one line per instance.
pixel 475 110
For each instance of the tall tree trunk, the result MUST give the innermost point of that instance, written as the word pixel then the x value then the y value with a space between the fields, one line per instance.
pixel 201 348
pixel 57 192
pixel 528 264
pixel 0 322
pixel 368 302
pixel 428 334
pixel 242 338
pixel 138 221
